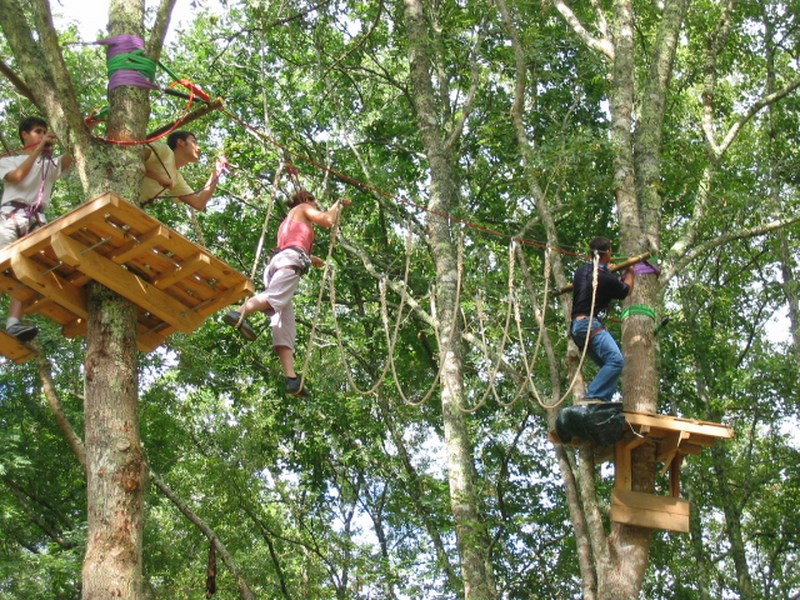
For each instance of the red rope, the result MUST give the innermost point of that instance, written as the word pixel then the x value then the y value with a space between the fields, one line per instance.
pixel 394 197
pixel 193 90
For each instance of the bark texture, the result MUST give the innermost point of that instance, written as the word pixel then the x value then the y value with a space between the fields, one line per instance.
pixel 473 543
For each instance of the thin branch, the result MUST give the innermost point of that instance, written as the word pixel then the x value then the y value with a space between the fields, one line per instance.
pixel 757 106
pixel 76 444
pixel 469 102
pixel 74 441
pixel 708 245
pixel 603 46
pixel 16 81
pixel 244 589
pixel 718 40
pixel 159 31
pixel 396 286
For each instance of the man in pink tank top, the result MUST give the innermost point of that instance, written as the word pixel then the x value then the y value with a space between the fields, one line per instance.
pixel 289 262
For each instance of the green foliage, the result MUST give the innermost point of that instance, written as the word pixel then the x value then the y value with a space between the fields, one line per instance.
pixel 344 495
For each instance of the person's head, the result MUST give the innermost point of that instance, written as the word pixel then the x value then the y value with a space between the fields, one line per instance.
pixel 301 196
pixel 184 145
pixel 31 125
pixel 601 247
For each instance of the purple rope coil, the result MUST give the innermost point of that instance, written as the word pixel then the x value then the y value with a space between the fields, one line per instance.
pixel 125 44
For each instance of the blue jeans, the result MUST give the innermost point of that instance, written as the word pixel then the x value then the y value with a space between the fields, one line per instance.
pixel 604 351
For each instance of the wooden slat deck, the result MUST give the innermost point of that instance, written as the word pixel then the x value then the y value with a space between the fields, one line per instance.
pixel 174 282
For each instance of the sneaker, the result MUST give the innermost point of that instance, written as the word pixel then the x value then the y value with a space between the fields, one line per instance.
pixel 23 333
pixel 293 387
pixel 235 320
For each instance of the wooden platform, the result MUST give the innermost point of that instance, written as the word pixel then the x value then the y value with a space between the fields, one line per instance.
pixel 174 282
pixel 15 350
pixel 675 438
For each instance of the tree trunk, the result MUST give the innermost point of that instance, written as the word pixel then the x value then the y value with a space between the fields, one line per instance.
pixel 472 538
pixel 116 468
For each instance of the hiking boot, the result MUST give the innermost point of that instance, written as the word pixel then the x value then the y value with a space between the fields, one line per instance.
pixel 235 320
pixel 293 387
pixel 23 333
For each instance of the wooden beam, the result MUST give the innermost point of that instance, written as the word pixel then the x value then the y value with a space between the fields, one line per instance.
pixel 675 475
pixel 622 466
pixel 50 285
pixel 140 245
pixel 241 290
pixel 188 268
pixel 41 237
pixel 637 440
pixel 14 349
pixel 648 510
pixel 670 423
pixel 14 288
pixel 118 279
pixel 669 445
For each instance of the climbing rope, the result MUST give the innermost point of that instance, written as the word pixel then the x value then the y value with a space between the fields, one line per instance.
pixel 451 337
pixel 491 388
pixel 318 308
pixel 265 225
pixel 539 315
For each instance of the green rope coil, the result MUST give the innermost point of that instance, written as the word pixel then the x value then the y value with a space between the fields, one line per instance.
pixel 639 309
pixel 133 61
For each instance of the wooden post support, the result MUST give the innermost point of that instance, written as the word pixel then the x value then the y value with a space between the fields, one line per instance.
pixel 675 438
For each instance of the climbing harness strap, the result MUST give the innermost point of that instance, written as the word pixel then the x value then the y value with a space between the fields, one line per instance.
pixel 33 214
pixel 301 269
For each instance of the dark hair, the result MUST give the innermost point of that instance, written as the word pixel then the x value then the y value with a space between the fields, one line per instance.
pixel 29 123
pixel 600 245
pixel 176 136
pixel 301 196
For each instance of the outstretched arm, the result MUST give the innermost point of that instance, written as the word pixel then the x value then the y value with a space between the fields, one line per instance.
pixel 199 200
pixel 325 218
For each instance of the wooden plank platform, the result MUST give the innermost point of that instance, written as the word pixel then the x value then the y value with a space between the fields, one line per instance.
pixel 174 282
pixel 674 438
pixel 14 349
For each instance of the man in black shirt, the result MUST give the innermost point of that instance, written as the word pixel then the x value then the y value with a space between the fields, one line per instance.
pixel 602 348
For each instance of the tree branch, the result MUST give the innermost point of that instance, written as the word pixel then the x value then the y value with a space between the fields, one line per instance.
pixel 74 441
pixel 244 589
pixel 76 444
pixel 603 46
pixel 757 106
pixel 159 31
pixel 708 245
pixel 16 81
pixel 469 102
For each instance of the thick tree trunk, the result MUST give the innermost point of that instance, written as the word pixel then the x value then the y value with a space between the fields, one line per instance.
pixel 472 538
pixel 116 468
